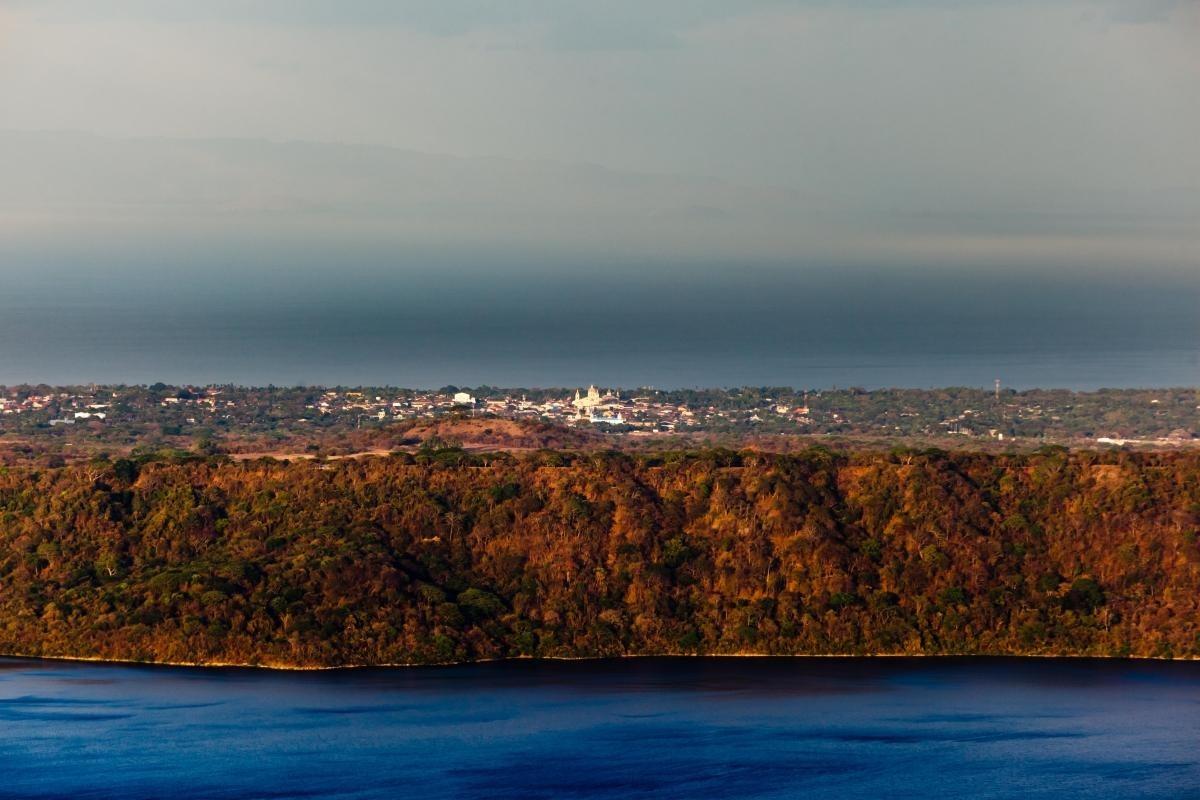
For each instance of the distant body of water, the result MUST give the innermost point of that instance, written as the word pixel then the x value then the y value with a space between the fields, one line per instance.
pixel 677 329
pixel 640 728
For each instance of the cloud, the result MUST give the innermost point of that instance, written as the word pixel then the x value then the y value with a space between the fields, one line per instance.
pixel 65 192
pixel 1020 130
pixel 1183 13
pixel 617 24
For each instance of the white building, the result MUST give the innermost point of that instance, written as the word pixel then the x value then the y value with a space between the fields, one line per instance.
pixel 594 399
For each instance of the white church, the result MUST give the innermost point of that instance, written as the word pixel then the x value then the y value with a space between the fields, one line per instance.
pixel 594 404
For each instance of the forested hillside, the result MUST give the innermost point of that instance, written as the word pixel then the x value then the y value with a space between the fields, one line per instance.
pixel 443 556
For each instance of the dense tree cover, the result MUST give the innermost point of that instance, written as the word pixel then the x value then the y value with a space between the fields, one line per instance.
pixel 445 556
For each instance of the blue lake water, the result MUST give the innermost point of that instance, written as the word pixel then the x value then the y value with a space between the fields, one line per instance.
pixel 673 728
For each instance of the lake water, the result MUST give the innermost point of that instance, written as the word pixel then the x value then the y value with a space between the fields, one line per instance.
pixel 811 329
pixel 673 728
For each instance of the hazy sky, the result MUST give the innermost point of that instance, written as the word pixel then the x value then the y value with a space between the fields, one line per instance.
pixel 1026 133
pixel 632 191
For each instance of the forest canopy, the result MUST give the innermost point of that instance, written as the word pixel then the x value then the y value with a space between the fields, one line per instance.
pixel 444 556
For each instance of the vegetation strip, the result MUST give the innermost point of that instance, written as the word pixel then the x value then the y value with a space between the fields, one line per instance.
pixel 445 556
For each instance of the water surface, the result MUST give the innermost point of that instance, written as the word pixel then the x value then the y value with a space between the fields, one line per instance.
pixel 595 323
pixel 674 728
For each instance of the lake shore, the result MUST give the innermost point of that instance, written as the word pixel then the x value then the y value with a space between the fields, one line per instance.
pixel 285 667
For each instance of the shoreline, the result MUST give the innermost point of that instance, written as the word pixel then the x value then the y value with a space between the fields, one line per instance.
pixel 222 665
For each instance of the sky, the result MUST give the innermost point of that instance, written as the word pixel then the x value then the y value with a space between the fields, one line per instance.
pixel 157 151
